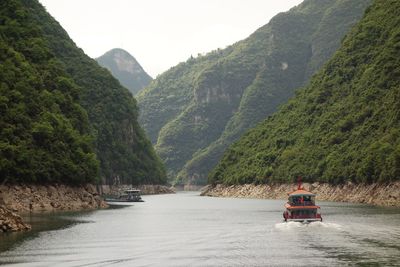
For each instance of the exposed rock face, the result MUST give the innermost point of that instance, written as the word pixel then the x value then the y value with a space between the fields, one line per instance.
pixel 11 222
pixel 32 198
pixel 375 194
pixel 126 69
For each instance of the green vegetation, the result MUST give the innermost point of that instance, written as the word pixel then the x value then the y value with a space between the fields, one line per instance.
pixel 194 111
pixel 64 118
pixel 44 132
pixel 343 126
pixel 126 69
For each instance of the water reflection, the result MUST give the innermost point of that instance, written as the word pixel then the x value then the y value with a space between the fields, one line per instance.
pixel 40 222
pixel 188 230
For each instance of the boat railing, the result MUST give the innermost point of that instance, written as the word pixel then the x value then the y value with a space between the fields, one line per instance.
pixel 304 203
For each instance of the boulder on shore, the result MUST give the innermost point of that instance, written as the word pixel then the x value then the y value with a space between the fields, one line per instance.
pixel 11 222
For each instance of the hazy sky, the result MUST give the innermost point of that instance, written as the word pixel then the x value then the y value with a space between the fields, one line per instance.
pixel 161 33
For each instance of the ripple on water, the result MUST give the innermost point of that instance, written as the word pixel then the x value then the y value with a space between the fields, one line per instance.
pixel 186 230
pixel 295 225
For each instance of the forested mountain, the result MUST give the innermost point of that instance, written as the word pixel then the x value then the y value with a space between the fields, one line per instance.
pixel 195 110
pixel 63 117
pixel 126 69
pixel 343 126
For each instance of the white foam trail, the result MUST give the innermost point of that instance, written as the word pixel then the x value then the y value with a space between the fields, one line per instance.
pixel 326 225
pixel 296 225
pixel 288 225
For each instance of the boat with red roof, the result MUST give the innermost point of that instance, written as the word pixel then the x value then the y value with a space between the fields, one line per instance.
pixel 301 206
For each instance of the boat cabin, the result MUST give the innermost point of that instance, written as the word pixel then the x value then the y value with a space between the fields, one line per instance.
pixel 131 195
pixel 301 198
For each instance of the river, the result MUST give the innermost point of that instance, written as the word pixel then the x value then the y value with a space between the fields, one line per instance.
pixel 188 230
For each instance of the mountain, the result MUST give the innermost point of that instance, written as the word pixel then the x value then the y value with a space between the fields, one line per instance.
pixel 126 69
pixel 343 126
pixel 64 118
pixel 195 110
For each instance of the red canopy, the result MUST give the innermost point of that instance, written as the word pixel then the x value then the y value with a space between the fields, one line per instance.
pixel 301 192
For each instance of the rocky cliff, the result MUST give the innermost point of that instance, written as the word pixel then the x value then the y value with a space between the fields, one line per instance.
pixel 196 109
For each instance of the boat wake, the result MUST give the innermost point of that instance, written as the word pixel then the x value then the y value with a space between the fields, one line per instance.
pixel 295 225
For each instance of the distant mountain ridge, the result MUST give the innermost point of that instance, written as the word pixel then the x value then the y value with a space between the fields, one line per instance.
pixel 344 126
pixel 126 69
pixel 195 110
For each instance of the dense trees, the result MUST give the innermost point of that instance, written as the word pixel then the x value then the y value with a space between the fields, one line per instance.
pixel 343 126
pixel 44 132
pixel 63 117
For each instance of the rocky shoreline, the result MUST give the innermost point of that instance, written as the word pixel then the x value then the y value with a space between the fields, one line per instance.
pixel 39 198
pixel 20 199
pixel 25 198
pixel 387 195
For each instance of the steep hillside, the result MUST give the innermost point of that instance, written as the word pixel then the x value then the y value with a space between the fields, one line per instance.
pixel 44 132
pixel 196 109
pixel 126 69
pixel 344 126
pixel 46 135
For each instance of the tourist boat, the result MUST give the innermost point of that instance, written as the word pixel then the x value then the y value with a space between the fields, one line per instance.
pixel 129 195
pixel 301 206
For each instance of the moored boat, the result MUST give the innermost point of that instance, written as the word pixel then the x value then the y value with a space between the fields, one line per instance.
pixel 301 206
pixel 129 195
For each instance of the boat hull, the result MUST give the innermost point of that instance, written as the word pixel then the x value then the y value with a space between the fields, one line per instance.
pixel 290 218
pixel 304 220
pixel 116 200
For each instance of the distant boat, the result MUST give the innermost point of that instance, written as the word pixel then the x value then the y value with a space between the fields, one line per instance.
pixel 301 206
pixel 129 195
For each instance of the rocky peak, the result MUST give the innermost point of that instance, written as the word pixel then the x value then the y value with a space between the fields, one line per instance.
pixel 126 69
pixel 125 61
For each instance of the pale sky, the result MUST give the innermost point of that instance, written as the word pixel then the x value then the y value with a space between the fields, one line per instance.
pixel 161 33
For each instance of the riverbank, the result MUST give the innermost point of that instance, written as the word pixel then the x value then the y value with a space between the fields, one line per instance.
pixel 20 199
pixel 374 194
pixel 40 198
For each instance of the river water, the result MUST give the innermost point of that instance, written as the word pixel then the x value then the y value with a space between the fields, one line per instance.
pixel 188 230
